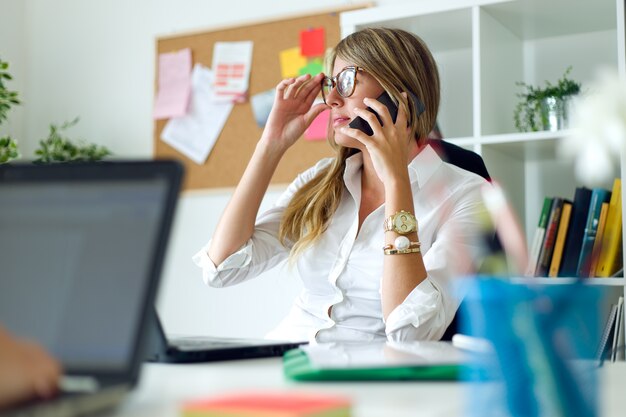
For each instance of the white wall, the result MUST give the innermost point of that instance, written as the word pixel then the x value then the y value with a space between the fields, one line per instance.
pixel 12 41
pixel 95 59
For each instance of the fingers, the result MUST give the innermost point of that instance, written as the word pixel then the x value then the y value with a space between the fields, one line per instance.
pixel 43 370
pixel 282 86
pixel 358 135
pixel 381 110
pixel 303 87
pixel 402 116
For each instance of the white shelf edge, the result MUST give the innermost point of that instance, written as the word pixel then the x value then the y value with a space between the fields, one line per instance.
pixel 611 282
pixel 510 138
pixel 392 11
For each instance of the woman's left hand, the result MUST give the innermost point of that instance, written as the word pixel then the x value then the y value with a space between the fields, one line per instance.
pixel 389 144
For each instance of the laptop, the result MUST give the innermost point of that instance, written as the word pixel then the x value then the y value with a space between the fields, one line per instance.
pixel 81 251
pixel 206 348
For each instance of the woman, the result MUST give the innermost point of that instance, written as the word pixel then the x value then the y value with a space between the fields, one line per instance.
pixel 349 223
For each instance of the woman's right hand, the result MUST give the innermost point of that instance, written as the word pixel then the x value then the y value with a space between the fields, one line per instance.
pixel 293 111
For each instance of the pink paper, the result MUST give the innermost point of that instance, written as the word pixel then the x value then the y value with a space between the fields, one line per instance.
pixel 174 85
pixel 319 127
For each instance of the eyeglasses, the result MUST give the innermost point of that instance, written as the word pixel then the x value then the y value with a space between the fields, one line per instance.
pixel 345 82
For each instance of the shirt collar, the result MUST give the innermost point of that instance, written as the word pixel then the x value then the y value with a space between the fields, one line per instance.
pixel 424 165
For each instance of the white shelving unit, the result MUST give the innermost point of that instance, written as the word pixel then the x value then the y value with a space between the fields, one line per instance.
pixel 482 48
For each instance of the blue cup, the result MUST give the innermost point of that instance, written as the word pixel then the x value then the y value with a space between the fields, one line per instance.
pixel 544 340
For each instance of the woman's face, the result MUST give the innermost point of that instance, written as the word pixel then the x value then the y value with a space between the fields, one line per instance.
pixel 342 108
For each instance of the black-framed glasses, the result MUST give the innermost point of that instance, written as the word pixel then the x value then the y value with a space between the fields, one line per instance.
pixel 345 82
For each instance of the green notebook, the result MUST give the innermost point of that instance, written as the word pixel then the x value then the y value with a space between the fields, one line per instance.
pixel 374 362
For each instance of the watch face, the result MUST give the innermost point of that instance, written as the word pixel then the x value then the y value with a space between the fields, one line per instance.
pixel 404 223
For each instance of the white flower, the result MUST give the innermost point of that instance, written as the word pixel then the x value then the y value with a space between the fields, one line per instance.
pixel 598 130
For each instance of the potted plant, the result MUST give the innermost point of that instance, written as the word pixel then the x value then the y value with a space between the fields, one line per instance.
pixel 58 148
pixel 8 147
pixel 545 108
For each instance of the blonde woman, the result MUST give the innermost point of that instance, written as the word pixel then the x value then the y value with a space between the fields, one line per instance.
pixel 379 232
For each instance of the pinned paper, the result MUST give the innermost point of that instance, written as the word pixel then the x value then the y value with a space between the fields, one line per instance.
pixel 318 129
pixel 291 61
pixel 231 63
pixel 312 42
pixel 195 134
pixel 262 106
pixel 314 67
pixel 174 84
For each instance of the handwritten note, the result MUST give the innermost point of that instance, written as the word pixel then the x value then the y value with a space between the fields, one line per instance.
pixel 231 63
pixel 195 134
pixel 174 84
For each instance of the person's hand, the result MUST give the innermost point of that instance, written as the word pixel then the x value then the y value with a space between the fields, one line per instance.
pixel 389 144
pixel 26 371
pixel 293 110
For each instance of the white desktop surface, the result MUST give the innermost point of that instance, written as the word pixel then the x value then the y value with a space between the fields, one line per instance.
pixel 163 388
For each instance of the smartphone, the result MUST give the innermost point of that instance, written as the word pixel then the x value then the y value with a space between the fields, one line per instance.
pixel 363 126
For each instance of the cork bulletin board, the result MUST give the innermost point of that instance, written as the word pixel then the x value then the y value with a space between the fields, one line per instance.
pixel 231 153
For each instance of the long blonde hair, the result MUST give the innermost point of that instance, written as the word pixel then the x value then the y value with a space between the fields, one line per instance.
pixel 400 61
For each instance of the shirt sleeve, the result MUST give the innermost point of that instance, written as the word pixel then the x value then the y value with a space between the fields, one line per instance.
pixel 263 250
pixel 428 310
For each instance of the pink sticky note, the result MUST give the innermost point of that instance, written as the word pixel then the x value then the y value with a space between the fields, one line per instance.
pixel 319 127
pixel 174 84
pixel 312 42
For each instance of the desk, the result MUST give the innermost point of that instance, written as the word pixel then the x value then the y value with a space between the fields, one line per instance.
pixel 163 387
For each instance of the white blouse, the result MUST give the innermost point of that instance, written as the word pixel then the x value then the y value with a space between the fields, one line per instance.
pixel 343 270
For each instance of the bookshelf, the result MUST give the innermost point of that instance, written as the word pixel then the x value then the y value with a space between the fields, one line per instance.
pixel 482 48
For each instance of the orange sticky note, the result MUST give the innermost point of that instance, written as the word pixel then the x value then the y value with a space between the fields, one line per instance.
pixel 317 130
pixel 263 404
pixel 312 42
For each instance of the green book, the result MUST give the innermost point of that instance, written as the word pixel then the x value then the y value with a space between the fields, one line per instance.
pixel 535 248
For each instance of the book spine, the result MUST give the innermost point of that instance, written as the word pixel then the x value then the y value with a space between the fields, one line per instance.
pixel 597 244
pixel 545 255
pixel 610 256
pixel 555 264
pixel 598 196
pixel 538 238
pixel 573 241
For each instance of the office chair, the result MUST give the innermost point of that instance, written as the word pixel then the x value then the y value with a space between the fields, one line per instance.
pixel 470 161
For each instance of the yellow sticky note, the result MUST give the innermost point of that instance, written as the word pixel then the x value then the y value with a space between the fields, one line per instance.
pixel 291 61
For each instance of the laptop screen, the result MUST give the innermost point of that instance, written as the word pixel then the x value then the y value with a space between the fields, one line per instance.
pixel 76 261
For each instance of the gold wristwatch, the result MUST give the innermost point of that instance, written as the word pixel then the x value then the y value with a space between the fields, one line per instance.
pixel 402 222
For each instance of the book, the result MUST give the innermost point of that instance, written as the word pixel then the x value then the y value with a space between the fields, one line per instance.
pixel 378 361
pixel 561 234
pixel 620 355
pixel 610 256
pixel 547 247
pixel 606 340
pixel 598 196
pixel 573 241
pixel 619 323
pixel 597 244
pixel 540 232
pixel 272 403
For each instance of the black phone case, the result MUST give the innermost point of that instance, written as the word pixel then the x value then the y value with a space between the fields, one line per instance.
pixel 362 125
